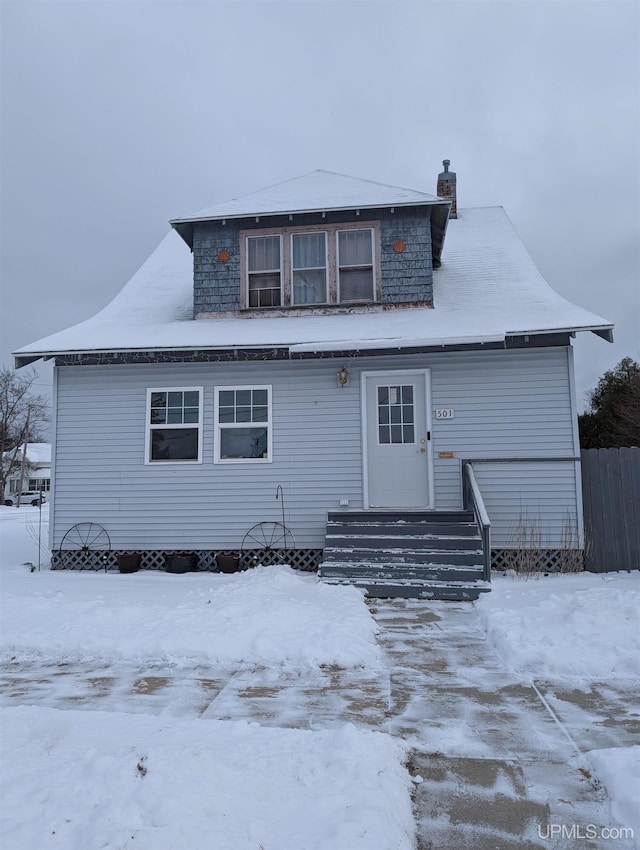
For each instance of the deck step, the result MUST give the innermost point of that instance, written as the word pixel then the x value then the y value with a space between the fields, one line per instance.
pixel 440 590
pixel 389 571
pixel 412 554
pixel 403 556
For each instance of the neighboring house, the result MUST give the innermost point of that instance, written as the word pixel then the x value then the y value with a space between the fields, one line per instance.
pixel 347 345
pixel 37 470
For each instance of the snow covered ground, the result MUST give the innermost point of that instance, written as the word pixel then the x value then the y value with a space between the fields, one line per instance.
pixel 79 779
pixel 575 628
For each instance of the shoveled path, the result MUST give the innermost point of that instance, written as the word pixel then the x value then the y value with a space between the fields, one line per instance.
pixel 496 760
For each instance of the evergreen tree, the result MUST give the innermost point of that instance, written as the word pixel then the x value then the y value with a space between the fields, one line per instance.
pixel 613 417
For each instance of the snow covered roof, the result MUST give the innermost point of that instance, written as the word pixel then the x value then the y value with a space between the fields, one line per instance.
pixel 314 192
pixel 488 288
pixel 38 454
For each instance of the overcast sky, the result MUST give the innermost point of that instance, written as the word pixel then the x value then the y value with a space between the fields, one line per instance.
pixel 117 116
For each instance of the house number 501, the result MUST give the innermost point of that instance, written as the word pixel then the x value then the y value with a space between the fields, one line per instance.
pixel 445 413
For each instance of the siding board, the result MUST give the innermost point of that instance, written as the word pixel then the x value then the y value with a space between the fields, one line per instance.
pixel 507 404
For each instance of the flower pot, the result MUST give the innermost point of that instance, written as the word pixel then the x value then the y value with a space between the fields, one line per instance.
pixel 180 563
pixel 129 562
pixel 228 563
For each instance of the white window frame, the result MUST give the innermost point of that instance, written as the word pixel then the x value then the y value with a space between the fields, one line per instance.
pixel 331 232
pixel 218 426
pixel 248 274
pixel 374 283
pixel 172 426
pixel 316 268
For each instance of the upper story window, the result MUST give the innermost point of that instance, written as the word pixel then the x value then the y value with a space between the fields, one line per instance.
pixel 355 265
pixel 302 266
pixel 309 267
pixel 174 425
pixel 264 274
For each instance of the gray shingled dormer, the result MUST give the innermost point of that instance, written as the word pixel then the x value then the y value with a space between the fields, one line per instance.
pixel 318 243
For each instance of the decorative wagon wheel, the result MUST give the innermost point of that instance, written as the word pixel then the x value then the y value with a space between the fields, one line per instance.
pixel 266 543
pixel 86 546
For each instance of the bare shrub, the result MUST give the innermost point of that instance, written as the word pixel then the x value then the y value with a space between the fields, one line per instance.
pixel 572 552
pixel 525 545
pixel 529 554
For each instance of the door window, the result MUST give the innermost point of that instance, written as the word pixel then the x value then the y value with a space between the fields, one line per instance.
pixel 396 423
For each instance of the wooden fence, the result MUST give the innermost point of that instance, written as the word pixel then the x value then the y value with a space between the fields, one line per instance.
pixel 611 500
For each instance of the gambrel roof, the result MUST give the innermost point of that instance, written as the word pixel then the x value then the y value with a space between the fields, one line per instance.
pixel 486 290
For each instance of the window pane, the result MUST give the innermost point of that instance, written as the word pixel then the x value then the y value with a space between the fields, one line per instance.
pixel 383 395
pixel 243 397
pixel 384 433
pixel 158 399
pixel 383 415
pixel 407 413
pixel 175 399
pixel 174 444
pixel 407 394
pixel 174 416
pixel 192 399
pixel 243 443
pixel 356 285
pixel 264 253
pixel 158 416
pixel 260 414
pixel 355 248
pixel 407 434
pixel 191 414
pixel 396 433
pixel 309 287
pixel 309 251
pixel 243 414
pixel 395 415
pixel 264 290
pixel 260 396
pixel 226 397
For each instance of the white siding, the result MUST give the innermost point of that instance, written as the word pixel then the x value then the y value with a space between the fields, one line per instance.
pixel 507 404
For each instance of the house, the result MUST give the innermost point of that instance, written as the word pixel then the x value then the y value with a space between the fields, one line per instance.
pixel 36 472
pixel 363 375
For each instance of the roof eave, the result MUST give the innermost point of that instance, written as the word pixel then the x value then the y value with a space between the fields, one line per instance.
pixel 184 226
pixel 603 331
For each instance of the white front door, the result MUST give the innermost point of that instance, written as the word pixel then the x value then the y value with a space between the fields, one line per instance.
pixel 397 444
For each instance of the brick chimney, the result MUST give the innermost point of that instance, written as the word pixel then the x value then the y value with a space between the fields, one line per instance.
pixel 447 187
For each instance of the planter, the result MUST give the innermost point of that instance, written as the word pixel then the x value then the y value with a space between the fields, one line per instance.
pixel 180 563
pixel 228 563
pixel 129 562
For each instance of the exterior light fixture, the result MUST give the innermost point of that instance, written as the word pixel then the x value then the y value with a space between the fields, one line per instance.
pixel 343 377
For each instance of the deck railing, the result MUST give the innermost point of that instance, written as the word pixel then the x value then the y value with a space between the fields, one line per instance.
pixel 472 501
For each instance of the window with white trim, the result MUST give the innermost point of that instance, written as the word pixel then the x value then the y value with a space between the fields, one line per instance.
pixel 264 271
pixel 174 425
pixel 306 266
pixel 309 267
pixel 243 424
pixel 355 265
